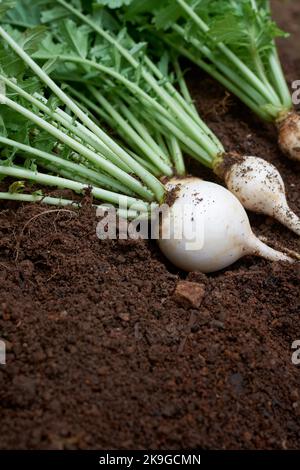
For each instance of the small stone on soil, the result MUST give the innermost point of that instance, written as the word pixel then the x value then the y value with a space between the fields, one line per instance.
pixel 189 294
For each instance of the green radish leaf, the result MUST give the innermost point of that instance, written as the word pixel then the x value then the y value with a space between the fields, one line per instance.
pixel 53 102
pixel 138 8
pixel 32 38
pixel 30 85
pixel 164 63
pixel 49 48
pixel 5 6
pixel 30 164
pixel 43 141
pixel 137 49
pixel 75 38
pixel 25 14
pixel 29 40
pixel 10 64
pixel 13 122
pixel 3 131
pixel 165 17
pixel 242 26
pixel 104 18
pixel 53 14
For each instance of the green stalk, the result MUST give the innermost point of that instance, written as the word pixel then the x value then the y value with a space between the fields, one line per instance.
pixel 85 173
pixel 202 137
pixel 202 155
pixel 61 202
pixel 172 90
pixel 103 115
pixel 277 75
pixel 186 121
pixel 265 115
pixel 132 134
pixel 143 132
pixel 84 134
pixel 91 105
pixel 145 163
pixel 146 177
pixel 197 134
pixel 189 145
pixel 189 152
pixel 96 159
pixel 246 72
pixel 279 80
pixel 160 140
pixel 185 99
pixel 188 99
pixel 57 181
pixel 130 112
pixel 51 201
pixel 163 125
pixel 237 81
pixel 184 89
pixel 135 89
pixel 93 140
pixel 177 156
pixel 63 172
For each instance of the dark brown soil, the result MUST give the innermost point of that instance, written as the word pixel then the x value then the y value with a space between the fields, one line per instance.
pixel 103 354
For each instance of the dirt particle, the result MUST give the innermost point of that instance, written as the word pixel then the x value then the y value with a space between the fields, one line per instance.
pixel 26 268
pixel 189 294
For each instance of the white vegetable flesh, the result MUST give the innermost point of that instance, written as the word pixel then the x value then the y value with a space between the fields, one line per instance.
pixel 213 226
pixel 260 188
pixel 289 135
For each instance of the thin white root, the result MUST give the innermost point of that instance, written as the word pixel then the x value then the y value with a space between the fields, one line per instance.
pixel 261 249
pixel 294 254
pixel 288 218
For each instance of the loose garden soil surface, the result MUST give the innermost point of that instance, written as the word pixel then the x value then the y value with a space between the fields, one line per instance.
pixel 101 352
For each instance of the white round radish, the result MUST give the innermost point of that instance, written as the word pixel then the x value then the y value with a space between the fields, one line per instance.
pixel 207 229
pixel 289 135
pixel 260 188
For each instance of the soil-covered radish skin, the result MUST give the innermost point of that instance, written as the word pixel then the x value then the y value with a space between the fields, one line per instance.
pixel 259 187
pixel 289 135
pixel 225 233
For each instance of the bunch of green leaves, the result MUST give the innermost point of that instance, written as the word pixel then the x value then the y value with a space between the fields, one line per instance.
pixel 88 44
pixel 234 22
pixel 38 130
pixel 233 40
pixel 114 59
pixel 13 125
